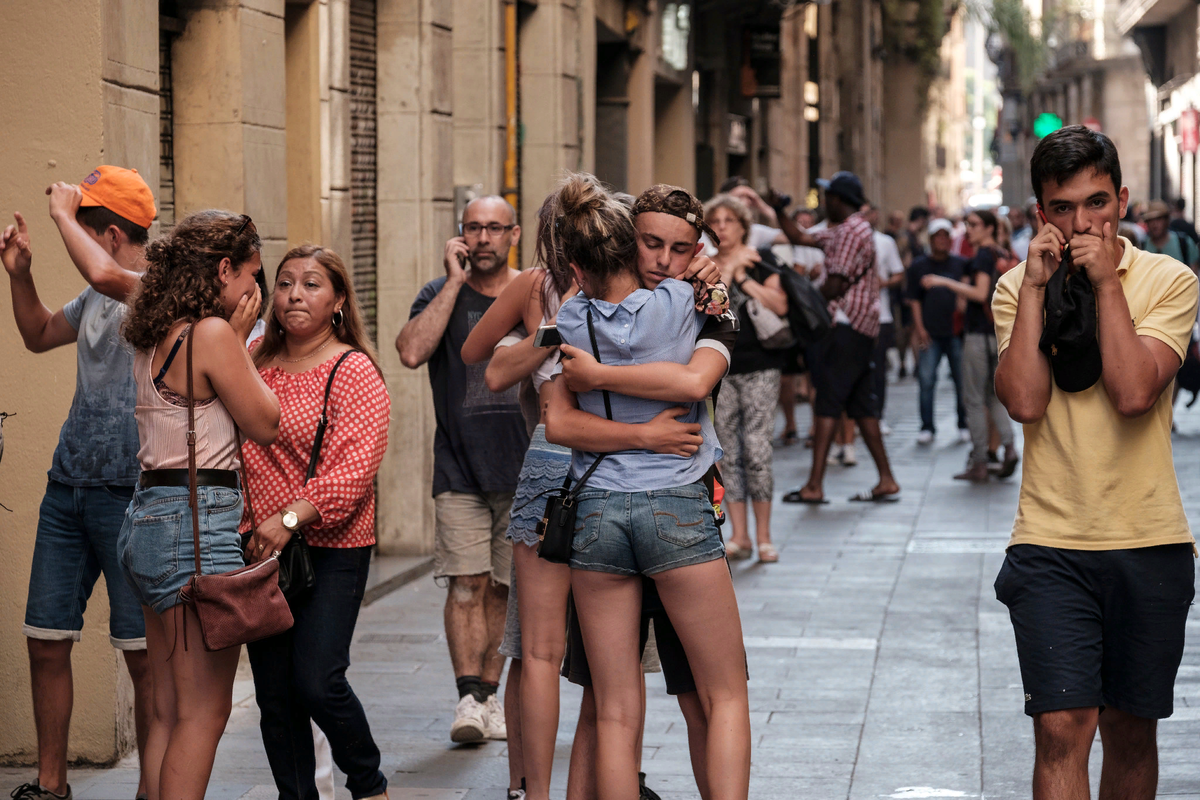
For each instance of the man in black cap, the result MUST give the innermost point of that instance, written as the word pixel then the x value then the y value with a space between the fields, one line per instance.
pixel 1099 573
pixel 842 362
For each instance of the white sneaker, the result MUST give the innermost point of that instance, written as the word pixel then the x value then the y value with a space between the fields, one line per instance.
pixel 884 428
pixel 925 437
pixel 848 457
pixel 469 720
pixel 835 454
pixel 493 717
pixel 964 436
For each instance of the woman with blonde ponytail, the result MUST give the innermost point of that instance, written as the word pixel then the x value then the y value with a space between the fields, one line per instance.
pixel 640 512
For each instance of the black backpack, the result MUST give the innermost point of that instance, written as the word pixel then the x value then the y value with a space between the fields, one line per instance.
pixel 808 310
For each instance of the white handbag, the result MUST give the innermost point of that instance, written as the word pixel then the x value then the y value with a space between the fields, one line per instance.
pixel 773 331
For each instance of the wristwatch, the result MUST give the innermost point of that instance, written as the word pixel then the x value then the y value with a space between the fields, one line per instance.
pixel 291 521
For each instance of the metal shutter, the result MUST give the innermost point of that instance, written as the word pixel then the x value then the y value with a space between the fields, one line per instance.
pixel 362 158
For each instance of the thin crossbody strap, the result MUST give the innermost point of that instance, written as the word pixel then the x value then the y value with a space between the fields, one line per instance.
pixel 596 353
pixel 191 445
pixel 323 422
pixel 607 409
pixel 245 484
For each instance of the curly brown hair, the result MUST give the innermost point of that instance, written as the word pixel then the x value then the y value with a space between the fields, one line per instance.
pixel 181 281
pixel 351 331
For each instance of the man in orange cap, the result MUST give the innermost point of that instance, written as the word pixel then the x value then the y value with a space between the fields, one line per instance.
pixel 103 223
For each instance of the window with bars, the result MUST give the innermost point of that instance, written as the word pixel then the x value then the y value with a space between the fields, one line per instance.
pixel 363 156
pixel 169 27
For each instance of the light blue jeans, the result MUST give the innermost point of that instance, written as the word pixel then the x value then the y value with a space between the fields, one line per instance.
pixel 927 369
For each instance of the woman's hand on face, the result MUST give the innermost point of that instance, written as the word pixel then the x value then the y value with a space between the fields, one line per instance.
pixel 269 539
pixel 667 435
pixel 580 369
pixel 246 314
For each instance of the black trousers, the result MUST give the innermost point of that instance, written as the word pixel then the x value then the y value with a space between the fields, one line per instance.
pixel 301 674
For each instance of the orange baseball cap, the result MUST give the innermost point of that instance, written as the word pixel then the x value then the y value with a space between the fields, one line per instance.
pixel 122 191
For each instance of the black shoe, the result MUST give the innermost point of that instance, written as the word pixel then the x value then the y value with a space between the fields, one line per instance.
pixel 34 791
pixel 644 791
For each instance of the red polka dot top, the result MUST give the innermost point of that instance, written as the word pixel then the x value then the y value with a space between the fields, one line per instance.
pixel 343 488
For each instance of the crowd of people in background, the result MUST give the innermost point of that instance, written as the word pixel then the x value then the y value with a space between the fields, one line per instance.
pixel 644 361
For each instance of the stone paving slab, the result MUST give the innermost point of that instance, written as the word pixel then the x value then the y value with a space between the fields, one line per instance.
pixel 881 664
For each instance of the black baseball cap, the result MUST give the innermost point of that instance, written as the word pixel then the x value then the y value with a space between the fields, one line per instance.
pixel 845 185
pixel 1069 336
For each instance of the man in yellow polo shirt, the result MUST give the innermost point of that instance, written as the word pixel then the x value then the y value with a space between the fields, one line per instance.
pixel 1099 573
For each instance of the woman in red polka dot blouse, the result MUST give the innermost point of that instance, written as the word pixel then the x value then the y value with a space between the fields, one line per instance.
pixel 301 674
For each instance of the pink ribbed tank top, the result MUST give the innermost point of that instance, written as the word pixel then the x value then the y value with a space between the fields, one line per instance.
pixel 162 427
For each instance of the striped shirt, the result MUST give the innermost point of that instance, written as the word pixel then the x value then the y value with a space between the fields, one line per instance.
pixel 850 252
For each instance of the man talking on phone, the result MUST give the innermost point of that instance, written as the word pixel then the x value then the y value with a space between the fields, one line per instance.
pixel 1099 572
pixel 480 443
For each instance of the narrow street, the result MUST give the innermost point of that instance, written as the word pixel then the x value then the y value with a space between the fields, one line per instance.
pixel 881 665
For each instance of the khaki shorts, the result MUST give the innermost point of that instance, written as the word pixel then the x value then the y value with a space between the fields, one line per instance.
pixel 469 539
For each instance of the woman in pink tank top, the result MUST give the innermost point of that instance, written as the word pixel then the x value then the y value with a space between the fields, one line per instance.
pixel 199 283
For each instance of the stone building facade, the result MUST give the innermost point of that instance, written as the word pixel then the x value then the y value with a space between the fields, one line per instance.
pixel 365 125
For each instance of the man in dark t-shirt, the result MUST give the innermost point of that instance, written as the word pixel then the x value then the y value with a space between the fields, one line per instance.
pixel 478 448
pixel 933 325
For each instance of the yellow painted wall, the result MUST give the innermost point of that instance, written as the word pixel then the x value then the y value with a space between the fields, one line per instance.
pixel 54 116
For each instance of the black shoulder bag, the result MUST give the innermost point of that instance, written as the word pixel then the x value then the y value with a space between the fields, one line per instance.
pixel 296 574
pixel 556 531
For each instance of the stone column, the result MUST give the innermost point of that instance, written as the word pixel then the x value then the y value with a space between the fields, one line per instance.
pixel 230 113
pixel 551 107
pixel 479 94
pixel 416 216
pixel 643 42
pixel 81 89
pixel 903 147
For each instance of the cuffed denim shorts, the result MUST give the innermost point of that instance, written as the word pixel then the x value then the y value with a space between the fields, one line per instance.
pixel 76 541
pixel 630 533
pixel 155 544
pixel 545 468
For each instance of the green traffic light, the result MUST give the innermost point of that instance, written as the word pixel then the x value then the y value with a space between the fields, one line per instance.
pixel 1046 124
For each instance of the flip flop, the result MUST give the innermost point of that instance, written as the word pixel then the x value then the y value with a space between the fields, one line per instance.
pixel 735 552
pixel 868 496
pixel 796 497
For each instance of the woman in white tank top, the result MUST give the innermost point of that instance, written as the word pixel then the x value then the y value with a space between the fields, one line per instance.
pixel 199 285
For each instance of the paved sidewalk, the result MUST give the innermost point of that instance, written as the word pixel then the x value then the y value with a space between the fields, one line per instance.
pixel 881 664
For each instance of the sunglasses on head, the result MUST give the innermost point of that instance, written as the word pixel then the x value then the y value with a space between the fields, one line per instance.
pixel 246 221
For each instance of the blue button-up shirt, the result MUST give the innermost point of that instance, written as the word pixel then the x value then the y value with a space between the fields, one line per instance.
pixel 643 328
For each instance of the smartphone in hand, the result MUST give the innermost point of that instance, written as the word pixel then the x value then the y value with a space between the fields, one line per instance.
pixel 547 336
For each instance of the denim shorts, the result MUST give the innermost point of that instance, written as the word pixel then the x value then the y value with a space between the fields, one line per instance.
pixel 630 533
pixel 76 541
pixel 545 468
pixel 156 547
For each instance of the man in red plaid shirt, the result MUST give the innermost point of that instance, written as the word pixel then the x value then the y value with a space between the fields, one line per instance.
pixel 842 362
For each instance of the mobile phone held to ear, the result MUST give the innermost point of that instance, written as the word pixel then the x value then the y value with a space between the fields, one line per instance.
pixel 547 336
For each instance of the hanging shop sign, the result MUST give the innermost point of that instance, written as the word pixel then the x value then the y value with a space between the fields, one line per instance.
pixel 737 142
pixel 1189 131
pixel 760 61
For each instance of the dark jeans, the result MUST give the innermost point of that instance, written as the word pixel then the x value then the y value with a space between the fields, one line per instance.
pixel 883 342
pixel 301 674
pixel 927 368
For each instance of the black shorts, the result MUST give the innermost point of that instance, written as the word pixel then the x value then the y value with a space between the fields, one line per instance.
pixel 1098 628
pixel 676 669
pixel 842 367
pixel 794 361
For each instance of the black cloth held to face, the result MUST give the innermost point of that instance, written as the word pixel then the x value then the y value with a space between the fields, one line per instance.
pixel 1069 335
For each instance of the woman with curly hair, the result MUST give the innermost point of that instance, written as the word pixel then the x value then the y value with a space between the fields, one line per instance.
pixel 200 284
pixel 317 358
